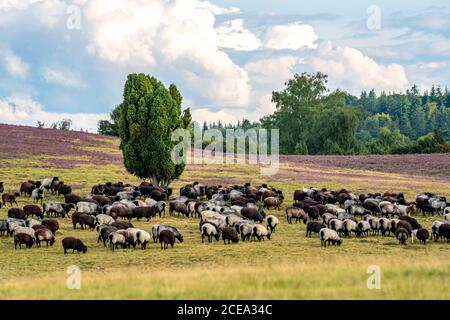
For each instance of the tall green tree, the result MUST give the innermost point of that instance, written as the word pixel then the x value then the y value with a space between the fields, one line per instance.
pixel 148 115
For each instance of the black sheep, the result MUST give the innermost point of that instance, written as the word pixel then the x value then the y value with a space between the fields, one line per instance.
pixel 313 226
pixel 1 187
pixel 144 212
pixel 74 244
pixel 23 238
pixel 6 197
pixel 166 237
pixel 413 222
pixel 16 213
pixel 52 224
pixel 252 214
pixel 87 220
pixel 230 234
pixel 423 235
pixel 402 235
pixel 444 232
pixel 33 210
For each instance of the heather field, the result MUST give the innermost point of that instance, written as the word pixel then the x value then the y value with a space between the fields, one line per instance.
pixel 288 266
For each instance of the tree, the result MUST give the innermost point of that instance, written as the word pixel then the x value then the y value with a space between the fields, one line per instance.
pixel 40 124
pixel 148 115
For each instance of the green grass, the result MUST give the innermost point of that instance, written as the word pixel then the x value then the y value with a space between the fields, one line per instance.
pixel 289 266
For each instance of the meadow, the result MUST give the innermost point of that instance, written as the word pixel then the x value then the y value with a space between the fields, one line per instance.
pixel 290 266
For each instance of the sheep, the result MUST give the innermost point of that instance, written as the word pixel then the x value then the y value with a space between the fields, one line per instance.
pixel 312 212
pixel 23 238
pixel 37 195
pixel 273 202
pixel 57 208
pixel 27 188
pixel 144 212
pixel 12 224
pixel 47 182
pixel 179 207
pixel 85 219
pixel 246 229
pixel 297 214
pixel 413 222
pixel 101 200
pixel 229 234
pixel 3 227
pixel 26 230
pixel 404 225
pixel 336 225
pixel 150 202
pixel 252 214
pixel 384 225
pixel 166 237
pixel 103 232
pixel 209 230
pixel 52 224
pixel 104 219
pixel 349 226
pixel 329 236
pixel 327 217
pixel 363 228
pixel 435 229
pixel 74 244
pixel 402 235
pixel 447 211
pixel 313 226
pixel 33 210
pixel 174 230
pixel 259 231
pixel 1 187
pixel 16 213
pixel 116 239
pixel 421 234
pixel 271 222
pixel 120 210
pixel 447 218
pixel 444 232
pixel 72 198
pixel 122 224
pixel 373 221
pixel 10 198
pixel 44 234
pixel 138 236
pixel 232 219
pixel 356 210
pixel 87 207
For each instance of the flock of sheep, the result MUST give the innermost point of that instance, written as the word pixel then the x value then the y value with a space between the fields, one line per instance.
pixel 233 213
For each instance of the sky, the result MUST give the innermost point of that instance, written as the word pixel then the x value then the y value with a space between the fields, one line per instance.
pixel 69 59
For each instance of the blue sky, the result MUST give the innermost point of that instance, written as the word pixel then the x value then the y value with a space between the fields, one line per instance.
pixel 69 59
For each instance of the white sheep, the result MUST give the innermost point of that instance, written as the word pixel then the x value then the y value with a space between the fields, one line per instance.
pixel 271 222
pixel 349 226
pixel 336 225
pixel 116 239
pixel 104 219
pixel 246 229
pixel 209 230
pixel 29 231
pixel 32 222
pixel 86 207
pixel 329 236
pixel 435 228
pixel 259 231
pixel 364 228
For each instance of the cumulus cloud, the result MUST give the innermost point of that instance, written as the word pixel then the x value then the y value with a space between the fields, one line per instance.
pixel 23 110
pixel 61 77
pixel 349 69
pixel 291 36
pixel 225 116
pixel 232 34
pixel 15 66
pixel 176 39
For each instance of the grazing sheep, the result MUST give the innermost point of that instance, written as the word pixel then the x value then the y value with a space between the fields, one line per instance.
pixel 402 235
pixel 210 230
pixel 120 210
pixel 122 225
pixel 52 224
pixel 444 232
pixel 413 222
pixel 384 225
pixel 259 231
pixel 27 230
pixel 72 198
pixel 57 208
pixel 143 238
pixel 329 236
pixel 33 210
pixel 44 234
pixel 47 182
pixel 229 234
pixel 447 218
pixel 406 210
pixel 297 214
pixel 23 238
pixel 87 207
pixel 312 211
pixel 336 225
pixel 405 225
pixel 435 229
pixel 349 226
pixel 271 222
pixel 16 213
pixel 12 224
pixel 87 220
pixel 101 200
pixel 252 214
pixel 166 237
pixel 104 219
pixel 232 219
pixel 144 212
pixel 161 227
pixel 363 228
pixel 313 226
pixel 421 234
pixel 27 188
pixel 387 208
pixel 116 239
pixel 3 227
pixel 179 207
pixel 103 232
pixel 37 195
pixel 74 244
pixel 10 198
pixel 273 202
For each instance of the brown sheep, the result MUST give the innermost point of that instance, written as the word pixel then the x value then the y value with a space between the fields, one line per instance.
pixel 252 214
pixel 120 211
pixel 88 220
pixel 166 237
pixel 23 238
pixel 273 202
pixel 229 234
pixel 16 213
pixel 101 200
pixel 74 244
pixel 33 210
pixel 179 207
pixel 44 234
pixel 6 197
pixel 27 188
pixel 144 212
pixel 76 219
pixel 122 225
pixel 52 224
pixel 72 198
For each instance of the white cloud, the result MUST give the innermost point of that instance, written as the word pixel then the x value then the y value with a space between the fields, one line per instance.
pixel 175 39
pixel 291 36
pixel 62 77
pixel 48 12
pixel 23 110
pixel 232 34
pixel 14 64
pixel 204 114
pixel 351 70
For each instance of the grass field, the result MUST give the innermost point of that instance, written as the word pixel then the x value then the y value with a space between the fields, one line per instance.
pixel 289 266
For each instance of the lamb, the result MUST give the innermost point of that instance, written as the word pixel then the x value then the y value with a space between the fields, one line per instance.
pixel 33 210
pixel 421 234
pixel 104 219
pixel 252 214
pixel 259 231
pixel 271 222
pixel 166 237
pixel 229 234
pixel 209 230
pixel 313 226
pixel 297 214
pixel 23 238
pixel 349 226
pixel 16 213
pixel 37 195
pixel 74 244
pixel 273 202
pixel 44 234
pixel 402 235
pixel 10 198
pixel 116 239
pixel 363 228
pixel 329 236
pixel 52 224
